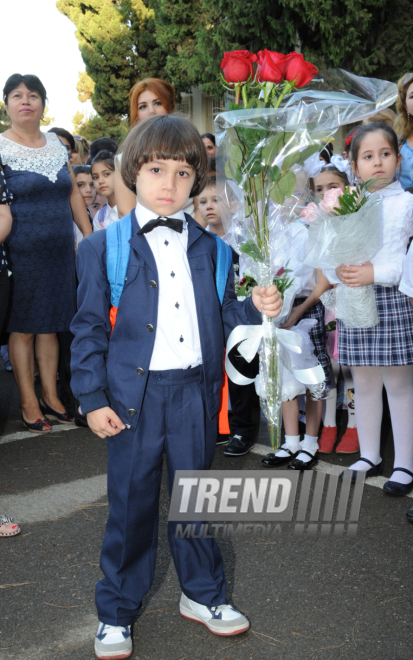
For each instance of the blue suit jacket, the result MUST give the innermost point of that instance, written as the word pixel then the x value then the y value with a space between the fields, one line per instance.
pixel 104 366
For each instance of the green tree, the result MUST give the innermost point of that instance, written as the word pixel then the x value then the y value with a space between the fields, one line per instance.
pixel 4 120
pixel 85 87
pixel 46 120
pixel 367 37
pixel 117 43
pixel 97 126
pixel 183 41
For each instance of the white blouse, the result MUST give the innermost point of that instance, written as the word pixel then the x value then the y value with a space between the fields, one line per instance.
pixel 397 230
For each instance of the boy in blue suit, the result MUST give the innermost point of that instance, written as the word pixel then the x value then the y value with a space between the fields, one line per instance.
pixel 153 385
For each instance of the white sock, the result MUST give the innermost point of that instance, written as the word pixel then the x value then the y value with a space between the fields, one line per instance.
pixel 292 442
pixel 398 382
pixel 368 388
pixel 329 408
pixel 310 444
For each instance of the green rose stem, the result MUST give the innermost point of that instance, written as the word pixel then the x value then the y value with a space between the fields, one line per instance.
pixel 244 92
pixel 270 372
pixel 287 89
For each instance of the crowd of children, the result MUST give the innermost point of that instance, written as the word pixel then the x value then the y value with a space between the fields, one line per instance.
pixel 156 398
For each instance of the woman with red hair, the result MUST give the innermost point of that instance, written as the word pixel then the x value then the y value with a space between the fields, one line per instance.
pixel 148 97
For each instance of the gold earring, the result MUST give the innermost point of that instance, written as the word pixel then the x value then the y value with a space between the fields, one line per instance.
pixel 408 116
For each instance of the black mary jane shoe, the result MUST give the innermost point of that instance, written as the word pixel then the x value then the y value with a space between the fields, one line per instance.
pixel 297 464
pixel 374 471
pixel 62 418
pixel 272 460
pixel 396 489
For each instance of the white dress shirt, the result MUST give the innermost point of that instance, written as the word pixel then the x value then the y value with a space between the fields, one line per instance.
pixel 177 341
pixel 397 218
pixel 105 216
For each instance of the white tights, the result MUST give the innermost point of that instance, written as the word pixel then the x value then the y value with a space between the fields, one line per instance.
pixel 368 386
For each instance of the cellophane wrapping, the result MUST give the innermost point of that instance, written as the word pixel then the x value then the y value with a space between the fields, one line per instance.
pixel 351 239
pixel 265 159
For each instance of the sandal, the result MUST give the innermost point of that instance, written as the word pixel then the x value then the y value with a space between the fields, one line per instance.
pixel 15 528
pixel 39 426
pixel 62 418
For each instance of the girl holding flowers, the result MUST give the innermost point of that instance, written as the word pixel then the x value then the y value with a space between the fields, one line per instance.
pixel 382 355
pixel 331 178
pixel 307 305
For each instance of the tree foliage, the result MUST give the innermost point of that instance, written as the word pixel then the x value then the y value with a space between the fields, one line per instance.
pixel 85 87
pixel 183 41
pixel 117 43
pixel 4 120
pixel 366 37
pixel 97 126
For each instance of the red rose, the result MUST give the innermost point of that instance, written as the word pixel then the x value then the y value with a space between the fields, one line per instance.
pixel 237 66
pixel 271 66
pixel 280 272
pixel 298 68
pixel 242 282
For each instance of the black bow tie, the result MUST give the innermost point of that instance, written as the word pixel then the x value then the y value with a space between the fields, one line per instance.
pixel 172 223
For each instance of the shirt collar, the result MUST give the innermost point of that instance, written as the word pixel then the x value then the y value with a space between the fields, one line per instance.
pixel 144 215
pixel 392 189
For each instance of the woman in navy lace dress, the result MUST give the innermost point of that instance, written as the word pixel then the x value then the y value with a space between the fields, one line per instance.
pixel 40 245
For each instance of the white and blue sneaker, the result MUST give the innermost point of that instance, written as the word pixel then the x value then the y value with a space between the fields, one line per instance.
pixel 113 642
pixel 220 620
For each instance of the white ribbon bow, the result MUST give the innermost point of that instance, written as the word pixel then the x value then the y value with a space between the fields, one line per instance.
pixel 288 341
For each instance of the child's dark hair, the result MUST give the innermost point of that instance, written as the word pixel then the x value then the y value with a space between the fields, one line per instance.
pixel 325 155
pixel 210 137
pixel 211 182
pixel 164 137
pixel 106 157
pixel 101 144
pixel 62 132
pixel 332 169
pixel 81 169
pixel 373 128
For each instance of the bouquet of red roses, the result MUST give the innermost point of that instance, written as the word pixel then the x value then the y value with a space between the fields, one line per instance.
pixel 268 149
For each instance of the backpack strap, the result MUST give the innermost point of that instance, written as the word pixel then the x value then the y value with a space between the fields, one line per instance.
pixel 118 235
pixel 224 263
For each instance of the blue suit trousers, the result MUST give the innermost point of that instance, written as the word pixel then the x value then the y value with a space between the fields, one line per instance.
pixel 173 422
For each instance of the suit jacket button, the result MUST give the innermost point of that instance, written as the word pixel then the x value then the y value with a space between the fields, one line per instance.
pixel 153 284
pixel 132 412
pixel 128 426
pixel 150 327
pixel 140 371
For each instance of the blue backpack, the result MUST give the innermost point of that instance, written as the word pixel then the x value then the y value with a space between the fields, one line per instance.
pixel 118 235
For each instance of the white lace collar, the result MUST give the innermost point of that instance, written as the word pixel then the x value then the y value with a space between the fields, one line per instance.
pixel 392 189
pixel 47 160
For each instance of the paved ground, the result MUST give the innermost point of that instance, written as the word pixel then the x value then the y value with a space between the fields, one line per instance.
pixel 307 598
